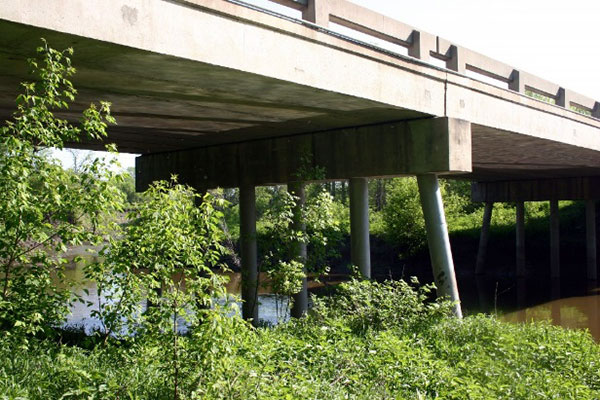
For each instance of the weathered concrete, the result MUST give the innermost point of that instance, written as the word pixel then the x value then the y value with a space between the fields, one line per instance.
pixel 424 146
pixel 359 226
pixel 438 240
pixel 212 81
pixel 520 238
pixel 484 238
pixel 590 239
pixel 248 253
pixel 300 300
pixel 554 240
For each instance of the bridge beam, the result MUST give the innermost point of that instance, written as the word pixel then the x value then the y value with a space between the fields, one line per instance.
pixel 580 188
pixel 436 145
pixel 359 226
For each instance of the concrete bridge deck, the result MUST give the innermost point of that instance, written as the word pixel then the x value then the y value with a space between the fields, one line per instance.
pixel 192 73
pixel 225 94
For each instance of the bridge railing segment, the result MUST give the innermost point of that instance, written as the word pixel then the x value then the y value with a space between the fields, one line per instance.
pixel 430 48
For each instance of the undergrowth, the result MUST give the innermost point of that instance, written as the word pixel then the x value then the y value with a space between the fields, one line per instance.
pixel 369 341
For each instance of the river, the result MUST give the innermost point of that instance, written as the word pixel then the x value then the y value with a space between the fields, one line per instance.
pixel 573 304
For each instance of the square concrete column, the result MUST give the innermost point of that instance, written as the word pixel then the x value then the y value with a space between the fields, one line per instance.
pixel 359 226
pixel 437 237
pixel 554 240
pixel 590 239
pixel 249 253
pixel 300 305
pixel 484 237
pixel 520 239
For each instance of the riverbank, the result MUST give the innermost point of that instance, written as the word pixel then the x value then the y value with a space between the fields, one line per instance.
pixel 370 341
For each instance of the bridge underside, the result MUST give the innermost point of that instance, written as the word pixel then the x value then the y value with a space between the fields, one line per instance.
pixel 225 95
pixel 166 104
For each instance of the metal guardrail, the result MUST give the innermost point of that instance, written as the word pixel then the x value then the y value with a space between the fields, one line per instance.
pixel 425 47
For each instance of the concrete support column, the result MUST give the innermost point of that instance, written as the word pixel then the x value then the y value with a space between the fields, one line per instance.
pixel 438 240
pixel 590 238
pixel 484 237
pixel 359 226
pixel 554 240
pixel 248 253
pixel 520 239
pixel 300 306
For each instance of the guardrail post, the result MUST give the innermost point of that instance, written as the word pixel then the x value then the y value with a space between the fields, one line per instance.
pixel 422 44
pixel 596 110
pixel 562 98
pixel 456 61
pixel 517 81
pixel 317 12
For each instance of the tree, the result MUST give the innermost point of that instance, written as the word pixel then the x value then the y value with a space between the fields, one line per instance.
pixel 278 238
pixel 169 255
pixel 44 208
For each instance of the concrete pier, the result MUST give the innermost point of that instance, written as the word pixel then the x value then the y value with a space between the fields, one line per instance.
pixel 359 226
pixel 248 253
pixel 520 238
pixel 484 237
pixel 590 239
pixel 554 240
pixel 300 305
pixel 438 240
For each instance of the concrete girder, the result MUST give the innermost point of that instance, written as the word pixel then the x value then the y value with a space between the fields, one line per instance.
pixel 437 145
pixel 579 188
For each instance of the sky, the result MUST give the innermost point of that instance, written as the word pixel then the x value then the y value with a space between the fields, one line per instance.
pixel 554 39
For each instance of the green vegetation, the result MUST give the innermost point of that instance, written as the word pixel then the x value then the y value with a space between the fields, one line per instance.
pixel 371 341
pixel 368 340
pixel 44 208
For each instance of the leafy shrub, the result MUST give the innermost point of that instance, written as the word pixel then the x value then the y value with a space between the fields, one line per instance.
pixel 365 305
pixel 44 208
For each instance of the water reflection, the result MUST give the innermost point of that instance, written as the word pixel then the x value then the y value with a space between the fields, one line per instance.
pixel 569 303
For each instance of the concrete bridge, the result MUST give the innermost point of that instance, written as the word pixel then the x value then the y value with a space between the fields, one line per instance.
pixel 226 94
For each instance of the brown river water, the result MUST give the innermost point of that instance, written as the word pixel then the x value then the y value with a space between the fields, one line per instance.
pixel 573 304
